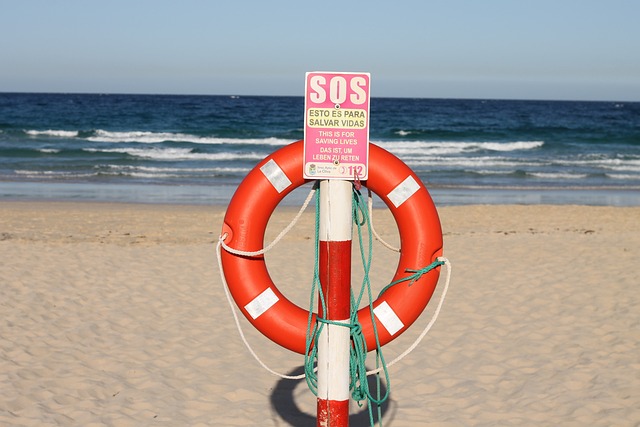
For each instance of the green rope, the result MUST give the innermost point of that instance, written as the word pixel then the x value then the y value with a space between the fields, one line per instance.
pixel 417 274
pixel 311 347
pixel 358 383
pixel 358 367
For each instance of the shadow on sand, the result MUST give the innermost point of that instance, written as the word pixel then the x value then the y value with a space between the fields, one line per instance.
pixel 283 402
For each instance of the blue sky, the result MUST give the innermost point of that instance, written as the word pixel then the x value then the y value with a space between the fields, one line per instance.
pixel 515 49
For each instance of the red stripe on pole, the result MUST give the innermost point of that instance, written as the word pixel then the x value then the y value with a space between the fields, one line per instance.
pixel 335 281
pixel 335 278
pixel 332 413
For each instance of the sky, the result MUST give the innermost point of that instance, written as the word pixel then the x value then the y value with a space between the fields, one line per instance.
pixel 491 49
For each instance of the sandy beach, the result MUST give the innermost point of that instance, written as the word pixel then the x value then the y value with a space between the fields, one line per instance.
pixel 115 315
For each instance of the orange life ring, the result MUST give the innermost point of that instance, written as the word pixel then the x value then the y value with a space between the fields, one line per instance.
pixel 267 308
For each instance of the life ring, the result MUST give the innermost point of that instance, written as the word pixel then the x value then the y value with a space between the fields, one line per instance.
pixel 268 309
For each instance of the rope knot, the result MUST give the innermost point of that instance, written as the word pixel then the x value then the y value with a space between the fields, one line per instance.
pixel 414 276
pixel 417 274
pixel 356 329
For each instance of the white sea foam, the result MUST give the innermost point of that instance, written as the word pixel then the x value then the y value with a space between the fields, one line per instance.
pixel 455 147
pixel 178 154
pixel 511 146
pixel 137 136
pixel 159 153
pixel 490 171
pixel 52 174
pixel 158 137
pixel 557 175
pixel 619 165
pixel 258 141
pixel 167 170
pixel 51 132
pixel 49 150
pixel 469 162
pixel 622 176
pixel 142 174
pixel 153 175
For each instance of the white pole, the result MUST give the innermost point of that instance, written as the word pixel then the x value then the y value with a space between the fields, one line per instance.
pixel 335 277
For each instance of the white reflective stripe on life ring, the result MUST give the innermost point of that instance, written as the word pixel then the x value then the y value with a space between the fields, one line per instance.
pixel 388 318
pixel 276 176
pixel 403 191
pixel 261 303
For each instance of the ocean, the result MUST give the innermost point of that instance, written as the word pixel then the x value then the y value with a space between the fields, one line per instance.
pixel 197 149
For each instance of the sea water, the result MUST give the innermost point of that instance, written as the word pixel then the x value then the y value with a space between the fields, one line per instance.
pixel 197 149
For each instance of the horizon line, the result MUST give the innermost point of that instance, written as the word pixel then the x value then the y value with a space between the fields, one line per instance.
pixel 231 95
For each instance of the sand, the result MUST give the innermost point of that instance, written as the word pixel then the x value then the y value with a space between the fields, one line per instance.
pixel 114 315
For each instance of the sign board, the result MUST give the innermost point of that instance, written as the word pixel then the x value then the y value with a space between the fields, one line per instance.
pixel 336 129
